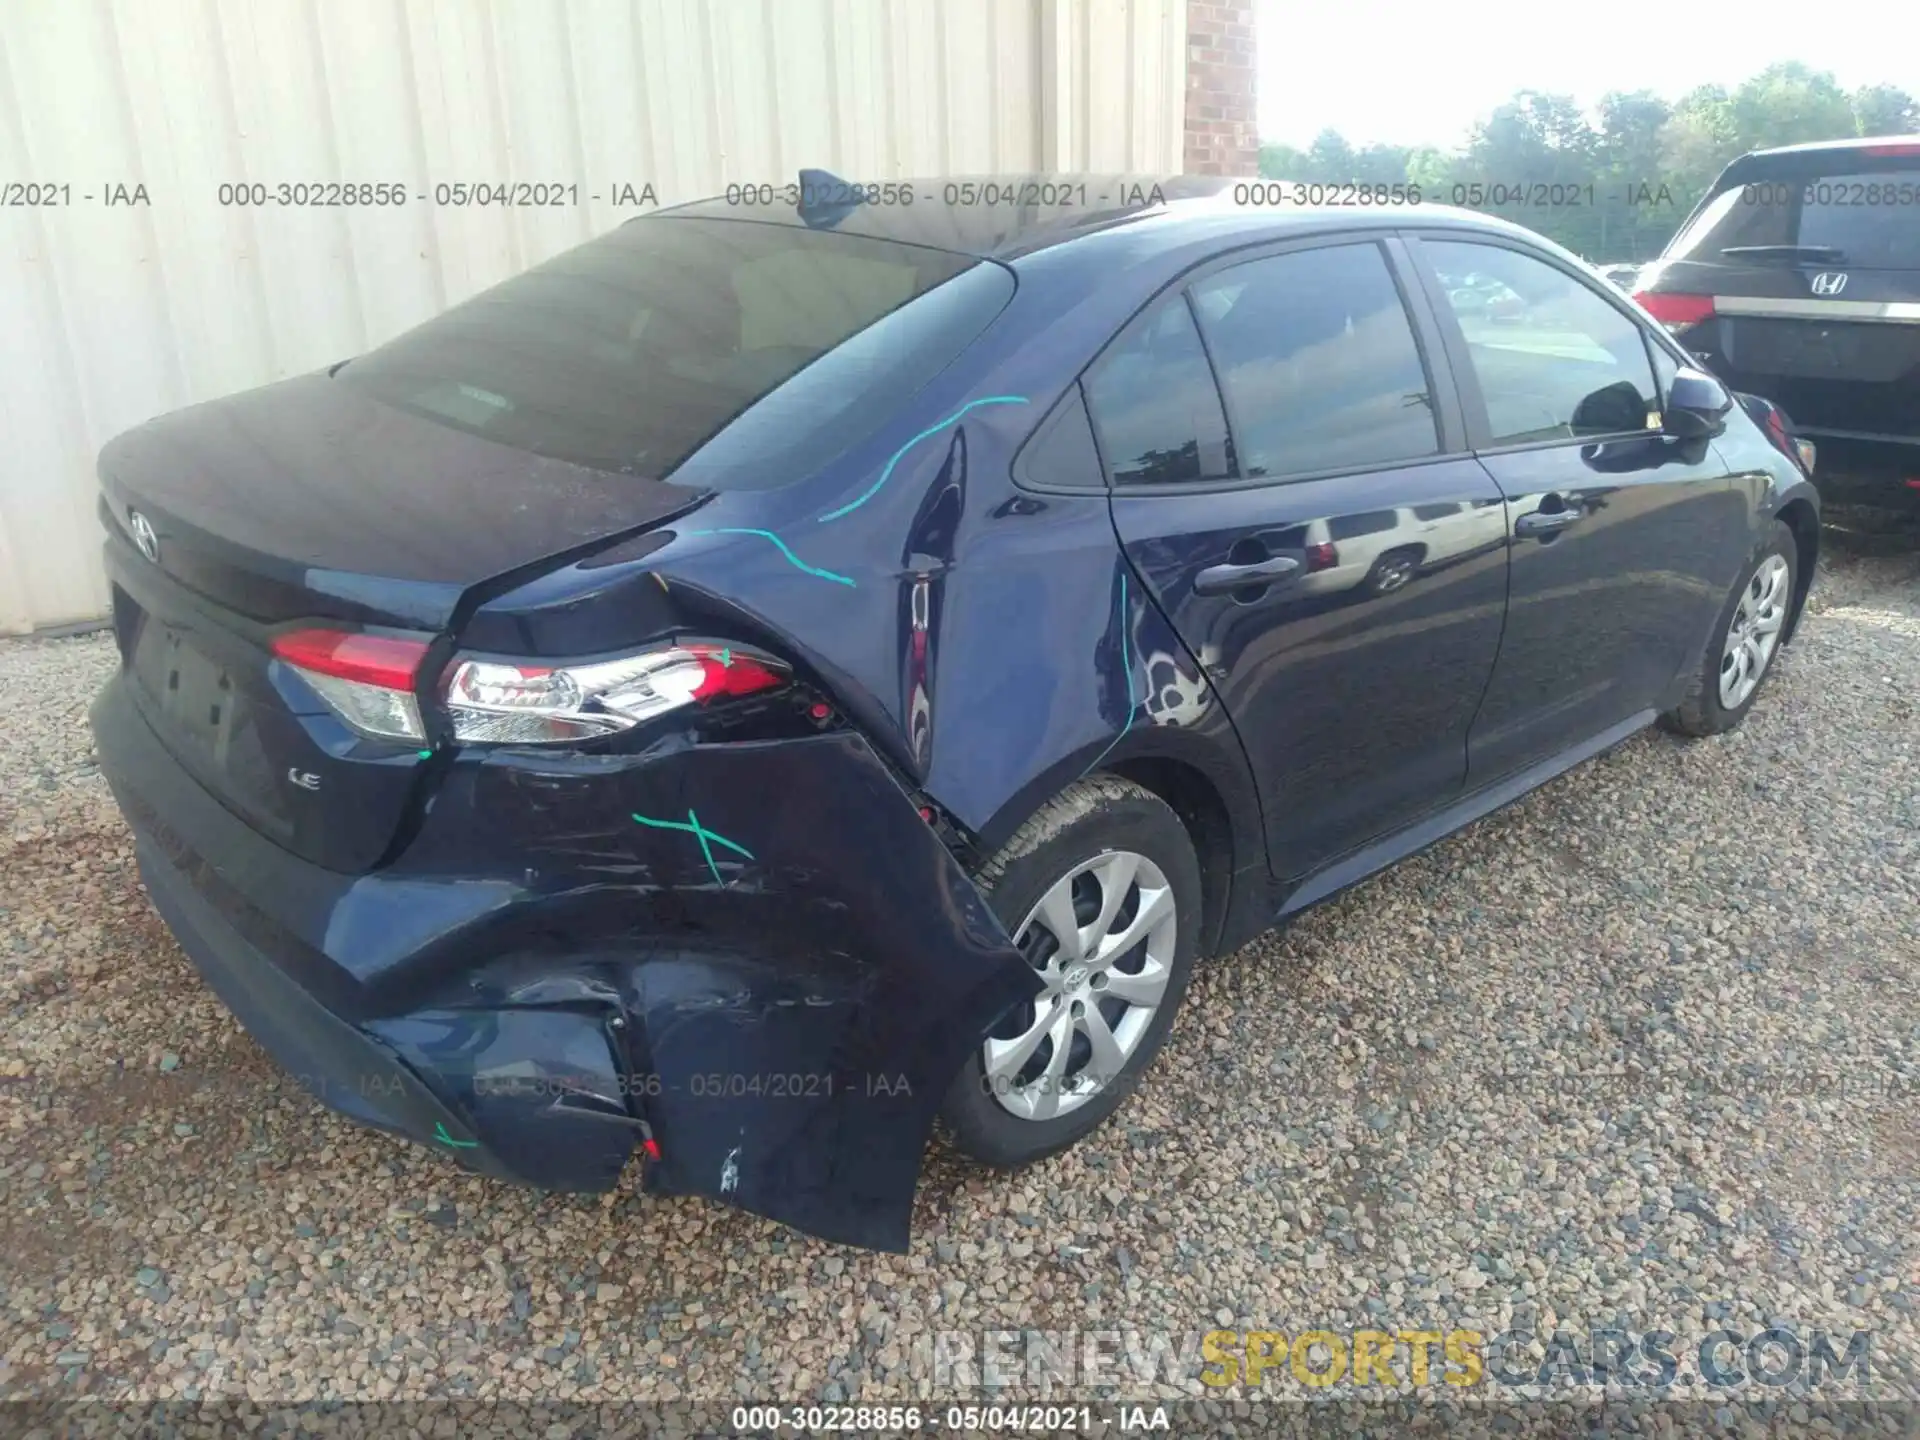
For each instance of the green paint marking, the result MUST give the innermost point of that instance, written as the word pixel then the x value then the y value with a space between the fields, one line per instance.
pixel 440 1134
pixel 792 559
pixel 693 827
pixel 426 754
pixel 705 849
pixel 953 419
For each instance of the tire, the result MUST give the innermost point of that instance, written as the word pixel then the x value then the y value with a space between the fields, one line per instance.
pixel 1089 828
pixel 1767 591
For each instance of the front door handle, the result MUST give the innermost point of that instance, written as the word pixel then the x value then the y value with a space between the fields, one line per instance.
pixel 1219 579
pixel 1547 522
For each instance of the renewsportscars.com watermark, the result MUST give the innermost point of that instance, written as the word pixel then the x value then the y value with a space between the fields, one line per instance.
pixel 1377 1361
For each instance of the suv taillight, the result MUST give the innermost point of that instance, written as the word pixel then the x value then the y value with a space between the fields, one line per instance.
pixel 1321 557
pixel 369 681
pixel 1676 312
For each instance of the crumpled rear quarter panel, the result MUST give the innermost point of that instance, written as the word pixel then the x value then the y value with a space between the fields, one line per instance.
pixel 793 1014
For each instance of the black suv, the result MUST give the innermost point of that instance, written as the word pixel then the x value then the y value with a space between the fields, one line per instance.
pixel 1798 276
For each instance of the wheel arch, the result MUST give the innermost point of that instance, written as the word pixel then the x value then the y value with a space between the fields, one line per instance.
pixel 1203 811
pixel 1214 799
pixel 1802 517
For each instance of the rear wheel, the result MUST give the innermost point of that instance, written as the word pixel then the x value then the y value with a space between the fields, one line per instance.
pixel 1392 570
pixel 1745 640
pixel 1101 893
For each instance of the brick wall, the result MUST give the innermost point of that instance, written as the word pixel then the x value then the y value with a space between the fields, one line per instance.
pixel 1222 137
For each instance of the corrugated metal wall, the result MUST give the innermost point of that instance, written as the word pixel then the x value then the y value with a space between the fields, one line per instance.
pixel 111 313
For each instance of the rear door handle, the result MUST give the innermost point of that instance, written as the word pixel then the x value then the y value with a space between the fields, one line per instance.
pixel 1219 579
pixel 1547 522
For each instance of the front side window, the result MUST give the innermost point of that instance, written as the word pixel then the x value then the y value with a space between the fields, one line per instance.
pixel 1554 360
pixel 1156 412
pixel 1318 361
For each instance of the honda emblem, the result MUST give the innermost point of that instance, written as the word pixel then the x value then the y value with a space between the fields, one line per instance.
pixel 1828 282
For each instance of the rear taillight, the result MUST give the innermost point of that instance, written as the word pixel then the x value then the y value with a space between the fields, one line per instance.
pixel 366 679
pixel 1903 147
pixel 1676 312
pixel 1321 557
pixel 369 681
pixel 504 702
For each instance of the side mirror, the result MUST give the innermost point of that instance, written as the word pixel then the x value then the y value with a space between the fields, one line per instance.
pixel 1697 406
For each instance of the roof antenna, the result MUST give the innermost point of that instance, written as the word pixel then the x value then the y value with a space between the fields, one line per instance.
pixel 826 199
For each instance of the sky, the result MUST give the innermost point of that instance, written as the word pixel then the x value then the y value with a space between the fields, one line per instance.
pixel 1405 73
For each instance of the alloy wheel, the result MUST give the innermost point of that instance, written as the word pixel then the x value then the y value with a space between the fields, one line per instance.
pixel 1102 939
pixel 1754 631
pixel 1391 573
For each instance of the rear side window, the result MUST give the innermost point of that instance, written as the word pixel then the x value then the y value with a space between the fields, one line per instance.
pixel 1318 361
pixel 1061 454
pixel 1865 219
pixel 1155 408
pixel 1553 359
pixel 632 351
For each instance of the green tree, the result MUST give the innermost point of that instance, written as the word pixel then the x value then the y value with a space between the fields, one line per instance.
pixel 1634 205
pixel 1884 110
pixel 1788 104
pixel 1616 184
pixel 1282 162
pixel 1630 126
pixel 1433 171
pixel 1330 157
pixel 1538 154
pixel 1698 140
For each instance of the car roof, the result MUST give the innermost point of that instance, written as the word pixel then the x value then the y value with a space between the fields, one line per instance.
pixel 990 220
pixel 1815 147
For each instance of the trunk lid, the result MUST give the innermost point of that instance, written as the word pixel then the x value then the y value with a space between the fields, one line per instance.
pixel 307 503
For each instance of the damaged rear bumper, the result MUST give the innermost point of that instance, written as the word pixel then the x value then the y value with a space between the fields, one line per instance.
pixel 757 954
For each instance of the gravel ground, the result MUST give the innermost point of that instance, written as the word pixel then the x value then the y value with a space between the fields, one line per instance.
pixel 1640 1051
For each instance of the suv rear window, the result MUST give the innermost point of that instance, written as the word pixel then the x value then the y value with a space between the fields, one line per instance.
pixel 1873 220
pixel 630 352
pixel 1870 217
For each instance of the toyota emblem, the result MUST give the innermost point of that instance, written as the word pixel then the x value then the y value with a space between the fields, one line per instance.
pixel 143 535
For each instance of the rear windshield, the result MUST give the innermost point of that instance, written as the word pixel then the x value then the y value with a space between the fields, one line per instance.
pixel 631 351
pixel 1870 219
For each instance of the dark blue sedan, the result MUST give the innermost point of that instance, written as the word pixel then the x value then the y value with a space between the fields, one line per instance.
pixel 767 678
